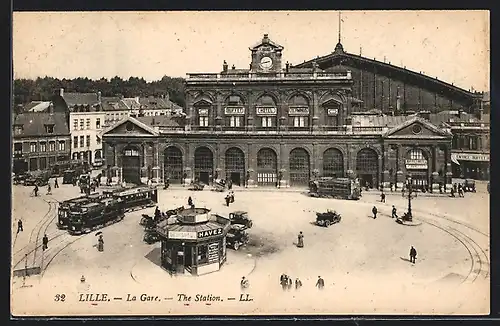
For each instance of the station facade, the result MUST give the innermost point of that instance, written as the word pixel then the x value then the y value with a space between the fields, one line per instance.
pixel 269 126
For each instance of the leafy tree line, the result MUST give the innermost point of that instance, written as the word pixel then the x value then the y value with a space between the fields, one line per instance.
pixel 41 89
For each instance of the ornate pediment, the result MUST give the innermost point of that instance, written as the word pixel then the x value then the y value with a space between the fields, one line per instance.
pixel 417 128
pixel 130 127
pixel 203 102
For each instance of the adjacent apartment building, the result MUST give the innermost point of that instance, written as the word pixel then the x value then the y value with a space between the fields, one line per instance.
pixel 40 139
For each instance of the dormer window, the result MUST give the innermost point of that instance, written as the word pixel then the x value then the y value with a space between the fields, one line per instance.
pixel 49 129
pixel 18 130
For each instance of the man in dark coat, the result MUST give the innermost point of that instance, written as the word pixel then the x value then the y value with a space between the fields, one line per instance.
pixel 413 254
pixel 394 215
pixel 382 198
pixel 228 200
pixel 284 281
pixel 56 184
pixel 36 190
pixel 320 284
pixel 157 214
pixel 374 211
pixel 45 242
pixel 190 201
pixel 19 226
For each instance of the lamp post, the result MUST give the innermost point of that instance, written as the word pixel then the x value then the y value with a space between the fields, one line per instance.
pixel 408 215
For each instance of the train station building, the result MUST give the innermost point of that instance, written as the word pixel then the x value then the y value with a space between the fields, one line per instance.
pixel 277 123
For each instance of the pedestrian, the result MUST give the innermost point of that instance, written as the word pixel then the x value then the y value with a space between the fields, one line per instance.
pixel 228 200
pixel 45 242
pixel 290 282
pixel 440 188
pixel 100 243
pixel 300 242
pixel 374 211
pixel 190 202
pixel 403 191
pixel 453 192
pixel 244 283
pixel 413 255
pixel 230 184
pixel 320 284
pixel 394 215
pixel 167 183
pixel 382 197
pixel 19 226
pixel 157 215
pixel 460 191
pixel 247 178
pixel 36 190
pixel 284 281
pixel 56 184
pixel 298 284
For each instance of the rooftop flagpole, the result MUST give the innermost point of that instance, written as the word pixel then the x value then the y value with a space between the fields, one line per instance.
pixel 340 25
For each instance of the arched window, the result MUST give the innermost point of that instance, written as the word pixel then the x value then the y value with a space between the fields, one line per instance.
pixel 298 112
pixel 234 111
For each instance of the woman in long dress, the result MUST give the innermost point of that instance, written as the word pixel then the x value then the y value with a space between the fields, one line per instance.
pixel 300 242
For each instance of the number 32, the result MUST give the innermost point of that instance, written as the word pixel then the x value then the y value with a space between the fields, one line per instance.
pixel 60 297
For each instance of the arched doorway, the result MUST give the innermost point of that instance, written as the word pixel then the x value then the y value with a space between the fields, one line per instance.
pixel 367 167
pixel 173 164
pixel 299 167
pixel 203 164
pixel 267 167
pixel 235 165
pixel 417 165
pixel 333 163
pixel 131 165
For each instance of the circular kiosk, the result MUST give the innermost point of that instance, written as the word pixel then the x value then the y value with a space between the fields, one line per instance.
pixel 195 242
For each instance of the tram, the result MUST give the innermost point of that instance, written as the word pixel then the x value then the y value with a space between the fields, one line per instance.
pixel 65 207
pixel 342 188
pixel 137 198
pixel 92 216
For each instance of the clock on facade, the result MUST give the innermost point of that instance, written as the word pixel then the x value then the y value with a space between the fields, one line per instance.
pixel 266 63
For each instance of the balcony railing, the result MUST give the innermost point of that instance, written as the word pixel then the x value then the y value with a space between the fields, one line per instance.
pixel 275 130
pixel 270 76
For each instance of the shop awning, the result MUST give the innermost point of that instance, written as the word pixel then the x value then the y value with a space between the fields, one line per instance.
pixel 472 157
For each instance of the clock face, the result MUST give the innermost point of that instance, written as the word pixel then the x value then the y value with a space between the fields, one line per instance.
pixel 266 63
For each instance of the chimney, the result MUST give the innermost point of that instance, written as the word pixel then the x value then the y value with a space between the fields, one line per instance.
pixel 287 66
pixel 61 92
pixel 233 67
pixel 99 97
pixel 265 40
pixel 224 66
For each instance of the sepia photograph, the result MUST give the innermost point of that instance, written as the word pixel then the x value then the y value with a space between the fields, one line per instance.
pixel 238 163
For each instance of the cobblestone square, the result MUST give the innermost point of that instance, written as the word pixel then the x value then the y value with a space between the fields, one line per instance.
pixel 364 261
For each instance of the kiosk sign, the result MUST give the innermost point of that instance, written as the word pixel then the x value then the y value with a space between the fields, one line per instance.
pixel 182 235
pixel 209 233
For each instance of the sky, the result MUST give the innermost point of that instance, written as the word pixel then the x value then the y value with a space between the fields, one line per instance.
pixel 451 45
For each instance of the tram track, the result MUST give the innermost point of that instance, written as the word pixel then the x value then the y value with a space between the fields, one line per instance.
pixel 478 256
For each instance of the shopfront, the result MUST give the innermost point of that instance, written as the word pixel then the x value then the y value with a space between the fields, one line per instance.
pixel 195 243
pixel 471 165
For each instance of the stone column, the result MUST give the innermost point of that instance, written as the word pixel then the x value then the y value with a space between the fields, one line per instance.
pixel 283 167
pixel 251 166
pixel 435 174
pixel 315 111
pixel 400 179
pixel 157 178
pixel 386 176
pixel 115 175
pixel 282 117
pixel 144 168
pixel 189 163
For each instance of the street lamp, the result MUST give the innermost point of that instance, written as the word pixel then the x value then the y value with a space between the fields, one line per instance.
pixel 408 214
